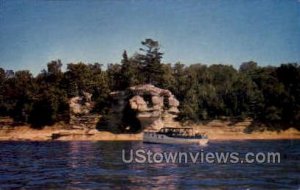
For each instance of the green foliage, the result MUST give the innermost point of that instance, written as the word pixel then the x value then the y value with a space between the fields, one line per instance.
pixel 150 61
pixel 267 94
pixel 205 92
pixel 129 72
pixel 248 66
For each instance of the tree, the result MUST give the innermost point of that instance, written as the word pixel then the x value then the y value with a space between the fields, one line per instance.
pixel 20 93
pixel 289 76
pixel 114 76
pixel 128 72
pixel 3 109
pixel 150 61
pixel 248 66
pixel 54 67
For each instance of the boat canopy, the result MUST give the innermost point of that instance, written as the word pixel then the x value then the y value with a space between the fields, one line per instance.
pixel 172 130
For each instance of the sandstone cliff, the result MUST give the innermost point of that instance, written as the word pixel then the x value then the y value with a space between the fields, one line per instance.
pixel 80 112
pixel 141 107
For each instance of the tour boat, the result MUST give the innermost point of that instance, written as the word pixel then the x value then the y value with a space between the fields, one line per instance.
pixel 171 135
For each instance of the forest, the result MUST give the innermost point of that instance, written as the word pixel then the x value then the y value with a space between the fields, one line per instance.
pixel 264 93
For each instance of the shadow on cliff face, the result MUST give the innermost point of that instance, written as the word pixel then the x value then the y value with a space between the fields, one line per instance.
pixel 130 123
pixel 130 120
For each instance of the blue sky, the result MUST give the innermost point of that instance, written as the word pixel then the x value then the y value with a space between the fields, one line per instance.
pixel 34 32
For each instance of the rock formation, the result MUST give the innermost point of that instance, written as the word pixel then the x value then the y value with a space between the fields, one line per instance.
pixel 142 107
pixel 80 108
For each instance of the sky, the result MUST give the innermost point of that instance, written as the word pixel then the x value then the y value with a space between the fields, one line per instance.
pixel 34 32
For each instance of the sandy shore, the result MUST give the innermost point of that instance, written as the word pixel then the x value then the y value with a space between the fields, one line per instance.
pixel 25 133
pixel 216 130
pixel 226 130
pixel 235 134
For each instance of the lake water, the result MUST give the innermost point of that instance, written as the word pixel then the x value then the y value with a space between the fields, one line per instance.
pixel 99 165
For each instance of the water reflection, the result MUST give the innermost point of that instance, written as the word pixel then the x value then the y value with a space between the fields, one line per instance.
pixel 81 154
pixel 95 165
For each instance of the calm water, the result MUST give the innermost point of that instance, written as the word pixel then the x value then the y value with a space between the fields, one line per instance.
pixel 98 165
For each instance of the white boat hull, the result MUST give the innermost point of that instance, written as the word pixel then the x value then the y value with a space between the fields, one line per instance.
pixel 152 137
